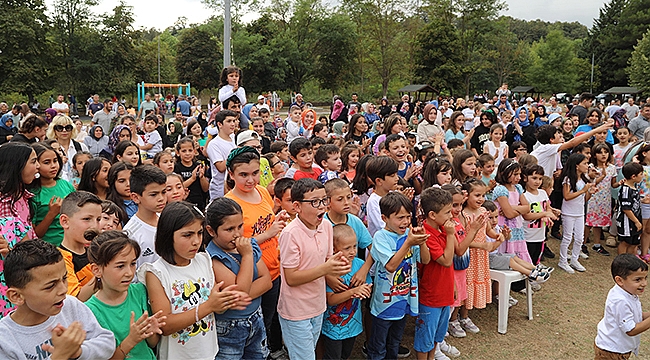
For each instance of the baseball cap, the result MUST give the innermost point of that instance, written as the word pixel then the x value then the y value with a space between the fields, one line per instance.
pixel 261 97
pixel 246 136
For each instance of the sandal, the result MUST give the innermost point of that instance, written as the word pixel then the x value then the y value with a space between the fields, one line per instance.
pixel 645 258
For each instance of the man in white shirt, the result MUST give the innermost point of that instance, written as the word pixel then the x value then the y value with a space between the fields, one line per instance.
pixel 60 106
pixel 147 104
pixel 554 107
pixel 631 109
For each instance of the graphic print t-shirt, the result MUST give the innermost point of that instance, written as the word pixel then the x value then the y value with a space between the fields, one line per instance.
pixel 535 229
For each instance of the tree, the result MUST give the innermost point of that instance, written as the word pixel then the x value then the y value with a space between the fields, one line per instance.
pixel 119 50
pixel 335 40
pixel 198 58
pixel 553 68
pixel 639 64
pixel 509 56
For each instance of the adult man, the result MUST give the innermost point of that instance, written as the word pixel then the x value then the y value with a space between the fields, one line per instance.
pixel 529 103
pixel 614 106
pixel 234 104
pixel 638 125
pixel 60 106
pixel 183 105
pixel 584 103
pixel 95 106
pixel 104 116
pixel 299 102
pixel 554 107
pixel 354 102
pixel 73 103
pixel 147 104
pixel 261 103
pixel 631 109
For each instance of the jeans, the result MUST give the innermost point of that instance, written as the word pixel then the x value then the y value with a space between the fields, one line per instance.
pixel 242 338
pixel 297 339
pixel 385 338
pixel 271 321
pixel 337 349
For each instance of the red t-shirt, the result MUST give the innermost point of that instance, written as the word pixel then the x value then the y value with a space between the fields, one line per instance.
pixel 437 281
pixel 299 174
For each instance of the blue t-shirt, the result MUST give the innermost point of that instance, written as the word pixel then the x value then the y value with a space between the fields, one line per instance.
pixel 587 128
pixel 363 235
pixel 343 321
pixel 229 261
pixel 131 208
pixel 402 173
pixel 184 107
pixel 394 294
pixel 327 175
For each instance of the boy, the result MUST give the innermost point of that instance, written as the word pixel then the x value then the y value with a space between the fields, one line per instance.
pixel 382 172
pixel 628 214
pixel 328 157
pixel 152 139
pixel 281 149
pixel 343 323
pixel 397 149
pixel 624 320
pixel 519 148
pixel 252 139
pixel 269 128
pixel 148 189
pixel 258 127
pixel 47 324
pixel 396 251
pixel 302 155
pixel 294 129
pixel 282 197
pixel 80 211
pixel 218 149
pixel 305 258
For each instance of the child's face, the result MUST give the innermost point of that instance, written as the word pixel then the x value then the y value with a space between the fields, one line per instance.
pixel 266 116
pixel 637 178
pixel 174 189
pixel 49 164
pixel 586 152
pixel 567 126
pixel 118 273
pixel 285 202
pixel 258 127
pixel 347 246
pixel 398 150
pixel 153 197
pixel 149 125
pixel 400 221
pixel 486 121
pixel 497 135
pixel 276 166
pixel 322 134
pixel 186 152
pixel 521 151
pixel 534 181
pixel 334 162
pixel 187 241
pixel 506 117
pixel 44 295
pixel 315 148
pixel 312 216
pixel 131 155
pixel 228 126
pixel 623 135
pixel 602 156
pixel 488 168
pixel 600 137
pixel 388 183
pixel 122 184
pixel 87 217
pixel 304 159
pixel 295 116
pixel 576 122
pixel 340 200
pixel 583 166
pixel 228 232
pixel 476 197
pixel 469 166
pixel 634 283
pixel 411 142
pixel 109 222
pixel 557 138
pixel 124 135
pixel 233 78
pixel 284 154
pixel 515 177
pixel 246 176
pixel 444 177
pixel 457 204
pixel 494 218
pixel 81 161
pixel 166 164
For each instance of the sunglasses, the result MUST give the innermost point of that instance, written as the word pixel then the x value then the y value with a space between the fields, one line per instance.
pixel 60 128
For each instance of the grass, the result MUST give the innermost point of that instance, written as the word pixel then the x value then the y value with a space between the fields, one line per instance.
pixel 566 312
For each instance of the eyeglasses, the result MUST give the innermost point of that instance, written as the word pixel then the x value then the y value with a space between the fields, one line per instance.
pixel 60 128
pixel 275 163
pixel 316 203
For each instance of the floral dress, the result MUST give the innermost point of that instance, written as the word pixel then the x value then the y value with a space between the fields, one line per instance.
pixel 517 243
pixel 13 230
pixel 479 284
pixel 599 207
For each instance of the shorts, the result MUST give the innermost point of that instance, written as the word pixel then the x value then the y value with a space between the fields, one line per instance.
pixel 631 240
pixel 600 354
pixel 645 211
pixel 430 327
pixel 500 261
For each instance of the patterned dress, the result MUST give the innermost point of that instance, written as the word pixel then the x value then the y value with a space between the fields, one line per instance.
pixel 599 207
pixel 517 243
pixel 479 284
pixel 13 230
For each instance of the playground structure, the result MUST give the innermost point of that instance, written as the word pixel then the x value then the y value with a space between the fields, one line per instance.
pixel 143 86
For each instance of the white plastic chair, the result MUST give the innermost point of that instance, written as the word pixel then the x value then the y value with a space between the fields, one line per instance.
pixel 505 278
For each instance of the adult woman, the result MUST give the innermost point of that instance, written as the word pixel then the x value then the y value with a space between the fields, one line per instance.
pixel 384 109
pixel 7 129
pixel 96 141
pixel 393 125
pixel 64 132
pixel 175 131
pixel 308 120
pixel 339 111
pixel 119 133
pixel 129 121
pixel 121 111
pixel 33 127
pixel 357 133
pixel 541 118
pixel 482 131
pixel 81 133
pixel 376 130
pixel 521 129
pixel 250 111
pixel 371 115
pixel 455 128
pixel 427 128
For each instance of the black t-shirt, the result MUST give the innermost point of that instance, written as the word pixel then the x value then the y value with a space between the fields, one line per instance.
pixel 196 196
pixel 481 136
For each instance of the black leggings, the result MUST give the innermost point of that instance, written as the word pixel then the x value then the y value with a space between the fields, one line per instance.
pixel 535 251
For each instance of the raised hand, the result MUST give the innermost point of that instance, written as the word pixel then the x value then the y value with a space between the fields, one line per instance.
pixel 337 265
pixel 55 205
pixel 409 193
pixel 66 343
pixel 417 236
pixel 244 246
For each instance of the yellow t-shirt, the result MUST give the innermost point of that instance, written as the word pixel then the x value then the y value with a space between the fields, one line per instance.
pixel 266 176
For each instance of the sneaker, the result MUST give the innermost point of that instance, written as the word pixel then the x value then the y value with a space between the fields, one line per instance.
pixel 584 255
pixel 548 269
pixel 439 355
pixel 577 266
pixel 496 300
pixel 469 325
pixel 585 251
pixel 556 234
pixel 512 301
pixel 565 266
pixel 535 286
pixel 446 349
pixel 601 250
pixel 403 352
pixel 539 275
pixel 456 330
pixel 548 253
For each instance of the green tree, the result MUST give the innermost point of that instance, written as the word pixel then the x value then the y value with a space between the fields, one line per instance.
pixel 119 50
pixel 198 58
pixel 639 64
pixel 553 69
pixel 334 53
pixel 509 57
pixel 146 67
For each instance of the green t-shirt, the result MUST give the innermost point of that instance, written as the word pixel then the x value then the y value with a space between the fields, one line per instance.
pixel 41 203
pixel 117 318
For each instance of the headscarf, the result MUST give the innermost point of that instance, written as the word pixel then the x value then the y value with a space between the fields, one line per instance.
pixel 302 116
pixel 4 119
pixel 522 123
pixel 92 132
pixel 336 110
pixel 618 118
pixel 246 110
pixel 52 113
pixel 338 128
pixel 178 132
pixel 426 111
pixel 114 138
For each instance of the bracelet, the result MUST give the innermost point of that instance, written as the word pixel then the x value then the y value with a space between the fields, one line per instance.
pixel 196 313
pixel 122 351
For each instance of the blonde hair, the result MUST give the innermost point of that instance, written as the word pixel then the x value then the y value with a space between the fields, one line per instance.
pixel 61 120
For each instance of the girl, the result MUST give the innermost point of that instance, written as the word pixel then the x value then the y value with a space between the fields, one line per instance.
pixel 623 136
pixel 118 301
pixel 33 128
pixel 456 128
pixel 94 177
pixel 194 129
pixel 567 129
pixel 49 190
pixel 181 284
pixel 393 125
pixel 437 171
pixel 237 260
pixel 482 132
pixel 643 157
pixel 358 132
pixel 119 134
pixel 320 130
pixel 350 156
pixel 508 196
pixel 7 129
pixel 486 166
pixel 96 141
pixel 175 190
pixel 119 188
pixel 464 166
pixel 231 84
pixel 361 187
pixel 541 213
pixel 192 171
pixel 129 152
pixel 112 216
pixel 495 147
pixel 164 160
pixel 78 161
pixel 599 207
pixel 576 189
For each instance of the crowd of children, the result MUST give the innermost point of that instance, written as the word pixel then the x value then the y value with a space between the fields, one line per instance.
pixel 295 247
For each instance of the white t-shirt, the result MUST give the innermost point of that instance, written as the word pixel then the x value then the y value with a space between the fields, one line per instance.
pixel 619 153
pixel 218 150
pixel 622 312
pixel 373 214
pixel 535 230
pixel 60 106
pixel 575 206
pixel 145 235
pixel 293 131
pixel 155 139
pixel 548 157
pixel 492 150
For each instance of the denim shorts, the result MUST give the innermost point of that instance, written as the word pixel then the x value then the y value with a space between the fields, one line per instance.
pixel 430 327
pixel 242 338
pixel 300 336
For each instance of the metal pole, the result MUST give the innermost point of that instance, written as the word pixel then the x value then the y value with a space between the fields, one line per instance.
pixel 591 87
pixel 226 33
pixel 158 63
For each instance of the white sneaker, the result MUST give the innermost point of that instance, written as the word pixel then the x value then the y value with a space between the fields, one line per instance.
pixel 456 330
pixel 439 355
pixel 512 301
pixel 469 325
pixel 577 266
pixel 565 266
pixel 449 350
pixel 535 286
pixel 583 255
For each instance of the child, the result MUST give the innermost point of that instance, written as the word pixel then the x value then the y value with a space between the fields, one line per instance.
pixel 164 160
pixel 80 211
pixel 112 217
pixel 218 149
pixel 517 149
pixel 624 320
pixel 282 197
pixel 49 190
pixel 628 214
pixel 293 126
pixel 599 207
pixel 342 321
pixel 576 189
pixel 46 322
pixel 396 251
pixel 281 149
pixel 148 192
pixel 252 139
pixel 643 157
pixel 128 152
pixel 541 213
pixel 395 144
pixel 463 167
pixel 237 260
pixel 78 161
pixel 275 164
pixel 181 284
pixel 193 172
pixel 486 167
pixel 94 178
pixel 258 127
pixel 437 171
pixel 303 156
pixel 174 188
pixel 118 302
pixel 508 196
pixel 350 156
pixel 623 136
pixel 231 84
pixel 382 172
pixel 495 147
pixel 119 188
pixel 329 158
pixel 305 258
pixel 152 139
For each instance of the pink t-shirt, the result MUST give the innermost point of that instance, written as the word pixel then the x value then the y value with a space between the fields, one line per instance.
pixel 302 249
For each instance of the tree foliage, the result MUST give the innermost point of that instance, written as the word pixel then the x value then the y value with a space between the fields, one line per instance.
pixel 553 68
pixel 199 58
pixel 639 64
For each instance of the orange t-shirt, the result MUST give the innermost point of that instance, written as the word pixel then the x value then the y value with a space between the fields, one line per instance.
pixel 257 219
pixel 79 274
